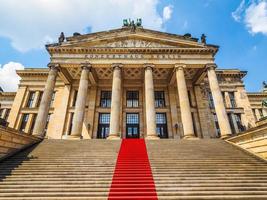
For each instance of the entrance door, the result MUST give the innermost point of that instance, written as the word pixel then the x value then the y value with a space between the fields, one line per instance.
pixel 132 125
pixel 103 125
pixel 161 120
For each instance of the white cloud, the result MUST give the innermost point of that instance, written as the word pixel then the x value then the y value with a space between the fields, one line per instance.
pixel 9 80
pixel 253 14
pixel 31 23
pixel 167 12
pixel 238 12
pixel 256 17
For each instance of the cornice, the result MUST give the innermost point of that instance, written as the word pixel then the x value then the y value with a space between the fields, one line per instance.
pixel 231 73
pixel 108 50
pixel 257 94
pixel 33 72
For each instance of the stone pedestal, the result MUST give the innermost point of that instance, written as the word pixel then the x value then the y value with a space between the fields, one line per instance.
pixel 43 111
pixel 80 103
pixel 115 103
pixel 184 103
pixel 150 104
pixel 218 101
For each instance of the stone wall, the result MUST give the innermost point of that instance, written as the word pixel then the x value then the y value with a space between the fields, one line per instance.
pixel 11 141
pixel 254 141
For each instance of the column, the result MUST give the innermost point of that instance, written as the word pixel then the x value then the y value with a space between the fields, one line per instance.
pixel 218 101
pixel 114 130
pixel 46 101
pixel 150 104
pixel 80 103
pixel 186 115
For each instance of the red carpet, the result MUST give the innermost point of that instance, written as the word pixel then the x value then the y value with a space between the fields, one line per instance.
pixel 132 178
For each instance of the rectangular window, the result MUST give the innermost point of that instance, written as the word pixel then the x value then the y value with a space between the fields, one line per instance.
pixel 132 118
pixel 71 123
pixel 7 113
pixel 25 118
pixel 30 99
pixel 189 97
pixel 217 127
pixel 223 96
pixel 232 99
pixel 159 99
pixel 239 122
pixel 39 98
pixel 261 113
pixel 47 122
pixel 211 102
pixel 33 122
pixel 132 99
pixel 105 99
pixel 74 98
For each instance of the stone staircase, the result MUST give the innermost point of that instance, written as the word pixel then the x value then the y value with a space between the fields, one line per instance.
pixel 205 169
pixel 185 169
pixel 60 169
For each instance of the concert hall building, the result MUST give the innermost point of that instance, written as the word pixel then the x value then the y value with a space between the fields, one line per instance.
pixel 131 82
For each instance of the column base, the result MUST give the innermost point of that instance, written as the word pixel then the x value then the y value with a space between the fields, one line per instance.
pixel 152 137
pixel 225 136
pixel 72 137
pixel 113 137
pixel 190 137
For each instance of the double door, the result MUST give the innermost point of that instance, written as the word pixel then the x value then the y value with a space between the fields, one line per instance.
pixel 132 125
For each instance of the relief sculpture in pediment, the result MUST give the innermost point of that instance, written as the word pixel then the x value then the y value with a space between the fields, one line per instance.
pixel 133 44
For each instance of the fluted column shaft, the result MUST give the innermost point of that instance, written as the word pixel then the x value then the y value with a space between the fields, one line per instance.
pixel 185 109
pixel 78 116
pixel 46 101
pixel 150 104
pixel 115 103
pixel 218 101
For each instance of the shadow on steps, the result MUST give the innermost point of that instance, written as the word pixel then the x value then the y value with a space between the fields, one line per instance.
pixel 11 163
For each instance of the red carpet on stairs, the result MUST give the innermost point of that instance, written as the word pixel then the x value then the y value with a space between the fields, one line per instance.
pixel 132 178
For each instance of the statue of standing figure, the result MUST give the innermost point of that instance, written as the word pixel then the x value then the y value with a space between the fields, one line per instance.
pixel 61 38
pixel 203 38
pixel 264 84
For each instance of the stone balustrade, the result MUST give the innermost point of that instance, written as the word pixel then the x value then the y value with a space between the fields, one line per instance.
pixel 253 140
pixel 12 141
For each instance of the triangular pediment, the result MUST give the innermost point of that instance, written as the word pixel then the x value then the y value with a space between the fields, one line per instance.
pixel 125 38
pixel 133 43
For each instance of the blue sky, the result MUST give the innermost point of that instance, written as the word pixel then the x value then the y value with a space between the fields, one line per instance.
pixel 239 27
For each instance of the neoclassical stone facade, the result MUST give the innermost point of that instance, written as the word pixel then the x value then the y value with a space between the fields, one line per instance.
pixel 128 83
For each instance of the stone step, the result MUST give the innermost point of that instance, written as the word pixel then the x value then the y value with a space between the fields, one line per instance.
pixel 134 193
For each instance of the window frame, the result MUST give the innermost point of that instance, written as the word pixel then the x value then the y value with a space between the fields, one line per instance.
pixel 24 121
pixel 39 98
pixel 159 100
pixel 133 101
pixel 30 99
pixel 105 100
pixel 232 99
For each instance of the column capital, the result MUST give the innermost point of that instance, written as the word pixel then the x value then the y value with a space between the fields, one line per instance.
pixel 210 66
pixel 149 66
pixel 86 66
pixel 54 66
pixel 117 66
pixel 179 66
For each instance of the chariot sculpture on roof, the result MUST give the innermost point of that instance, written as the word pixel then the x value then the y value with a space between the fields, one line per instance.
pixel 132 24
